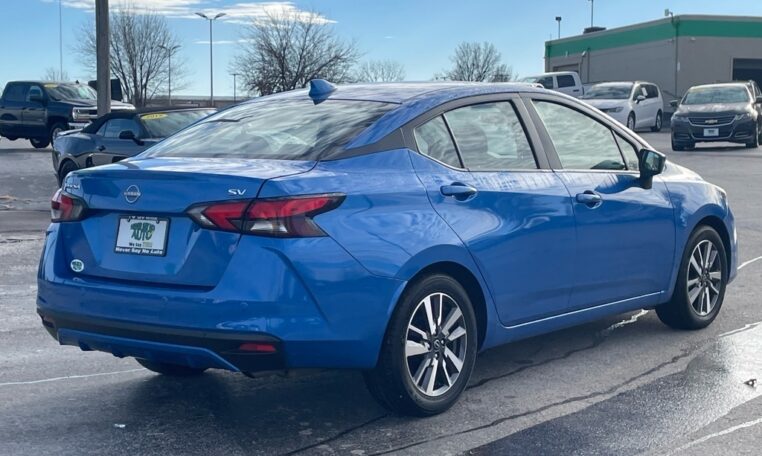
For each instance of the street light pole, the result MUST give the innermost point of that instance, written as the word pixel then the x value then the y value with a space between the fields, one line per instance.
pixel 211 55
pixel 170 50
pixel 558 19
pixel 235 85
pixel 592 12
pixel 60 40
pixel 102 58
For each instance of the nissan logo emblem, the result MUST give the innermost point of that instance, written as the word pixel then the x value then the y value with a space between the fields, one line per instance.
pixel 132 194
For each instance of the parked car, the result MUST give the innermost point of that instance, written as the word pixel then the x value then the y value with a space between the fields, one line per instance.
pixel 717 112
pixel 634 104
pixel 567 82
pixel 39 111
pixel 119 135
pixel 399 229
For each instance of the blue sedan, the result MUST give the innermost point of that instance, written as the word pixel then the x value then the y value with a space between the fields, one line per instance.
pixel 399 229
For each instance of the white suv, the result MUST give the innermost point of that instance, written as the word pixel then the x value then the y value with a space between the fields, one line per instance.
pixel 635 104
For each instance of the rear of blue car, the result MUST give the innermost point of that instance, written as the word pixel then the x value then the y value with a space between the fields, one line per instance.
pixel 218 248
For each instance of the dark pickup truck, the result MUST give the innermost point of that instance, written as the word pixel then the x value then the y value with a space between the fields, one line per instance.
pixel 39 111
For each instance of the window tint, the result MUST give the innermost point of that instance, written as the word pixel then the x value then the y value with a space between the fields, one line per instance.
pixel 33 91
pixel 490 137
pixel 581 142
pixel 277 128
pixel 113 127
pixel 434 140
pixel 16 92
pixel 651 91
pixel 565 80
pixel 630 153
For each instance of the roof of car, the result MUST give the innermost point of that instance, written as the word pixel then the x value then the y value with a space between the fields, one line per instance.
pixel 721 84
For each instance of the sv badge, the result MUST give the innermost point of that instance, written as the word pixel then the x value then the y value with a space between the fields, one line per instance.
pixel 236 191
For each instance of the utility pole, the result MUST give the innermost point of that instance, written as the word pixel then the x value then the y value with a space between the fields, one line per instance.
pixel 211 55
pixel 170 50
pixel 235 85
pixel 60 40
pixel 558 19
pixel 103 85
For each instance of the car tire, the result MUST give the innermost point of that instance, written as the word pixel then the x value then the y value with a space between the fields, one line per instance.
pixel 39 143
pixel 415 370
pixel 754 143
pixel 56 130
pixel 631 121
pixel 172 370
pixel 67 167
pixel 677 146
pixel 658 123
pixel 700 287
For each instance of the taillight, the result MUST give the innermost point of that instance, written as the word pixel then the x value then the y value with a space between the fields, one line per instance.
pixel 276 217
pixel 66 208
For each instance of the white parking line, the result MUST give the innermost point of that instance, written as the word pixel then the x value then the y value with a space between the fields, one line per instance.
pixel 717 434
pixel 746 263
pixel 54 379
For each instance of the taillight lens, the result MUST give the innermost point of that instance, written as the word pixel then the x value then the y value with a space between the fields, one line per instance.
pixel 275 217
pixel 66 208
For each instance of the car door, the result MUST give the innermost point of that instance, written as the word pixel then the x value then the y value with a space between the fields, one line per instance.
pixel 14 100
pixel 625 233
pixel 492 185
pixel 641 109
pixel 109 148
pixel 33 114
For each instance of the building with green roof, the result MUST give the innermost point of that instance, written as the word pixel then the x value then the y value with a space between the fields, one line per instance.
pixel 675 52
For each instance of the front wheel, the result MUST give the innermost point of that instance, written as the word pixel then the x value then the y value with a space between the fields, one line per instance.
pixel 658 122
pixel 700 287
pixel 429 350
pixel 754 143
pixel 172 370
pixel 631 121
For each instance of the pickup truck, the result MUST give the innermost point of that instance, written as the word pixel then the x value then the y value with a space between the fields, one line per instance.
pixel 567 82
pixel 39 111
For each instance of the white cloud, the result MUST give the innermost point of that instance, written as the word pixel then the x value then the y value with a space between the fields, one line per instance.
pixel 244 12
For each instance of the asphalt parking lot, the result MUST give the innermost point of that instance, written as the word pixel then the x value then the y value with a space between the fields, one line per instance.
pixel 622 385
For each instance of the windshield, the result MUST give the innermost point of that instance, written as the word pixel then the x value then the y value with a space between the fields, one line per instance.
pixel 71 92
pixel 276 129
pixel 709 95
pixel 163 124
pixel 608 92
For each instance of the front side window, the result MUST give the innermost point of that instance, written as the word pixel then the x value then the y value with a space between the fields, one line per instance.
pixel 652 91
pixel 630 153
pixel 435 141
pixel 581 142
pixel 113 127
pixel 34 91
pixel 546 82
pixel 565 80
pixel 290 129
pixel 490 137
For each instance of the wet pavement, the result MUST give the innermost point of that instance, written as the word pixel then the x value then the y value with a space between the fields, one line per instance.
pixel 622 385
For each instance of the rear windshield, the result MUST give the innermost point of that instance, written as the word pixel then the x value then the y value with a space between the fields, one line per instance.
pixel 295 129
pixel 163 124
pixel 708 95
pixel 608 92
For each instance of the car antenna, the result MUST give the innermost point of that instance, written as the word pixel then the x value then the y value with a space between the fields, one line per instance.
pixel 320 89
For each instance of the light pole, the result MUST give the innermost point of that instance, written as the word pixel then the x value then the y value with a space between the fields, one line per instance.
pixel 170 50
pixel 558 19
pixel 211 59
pixel 592 12
pixel 60 40
pixel 235 85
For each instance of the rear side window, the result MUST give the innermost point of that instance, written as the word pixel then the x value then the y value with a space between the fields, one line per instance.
pixel 16 92
pixel 565 80
pixel 490 137
pixel 435 141
pixel 291 129
pixel 581 142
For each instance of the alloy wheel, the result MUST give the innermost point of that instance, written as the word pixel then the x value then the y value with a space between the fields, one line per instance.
pixel 704 278
pixel 435 346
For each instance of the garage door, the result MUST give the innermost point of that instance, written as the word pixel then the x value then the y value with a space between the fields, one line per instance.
pixel 745 69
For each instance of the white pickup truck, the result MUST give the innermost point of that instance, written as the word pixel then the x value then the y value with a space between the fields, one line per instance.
pixel 567 82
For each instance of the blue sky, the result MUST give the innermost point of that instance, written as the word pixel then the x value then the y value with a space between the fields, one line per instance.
pixel 420 34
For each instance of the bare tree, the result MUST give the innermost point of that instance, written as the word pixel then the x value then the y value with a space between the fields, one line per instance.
pixel 479 62
pixel 380 71
pixel 138 44
pixel 284 51
pixel 51 74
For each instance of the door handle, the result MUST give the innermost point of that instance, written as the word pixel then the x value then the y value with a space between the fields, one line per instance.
pixel 101 148
pixel 589 198
pixel 458 191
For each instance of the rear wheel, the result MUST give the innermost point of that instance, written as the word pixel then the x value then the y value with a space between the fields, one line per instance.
pixel 173 370
pixel 39 143
pixel 429 350
pixel 657 125
pixel 700 287
pixel 631 121
pixel 67 167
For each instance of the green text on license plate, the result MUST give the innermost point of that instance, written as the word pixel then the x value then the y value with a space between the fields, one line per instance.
pixel 142 235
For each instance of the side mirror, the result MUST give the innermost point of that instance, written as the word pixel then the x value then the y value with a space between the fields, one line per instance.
pixel 37 98
pixel 129 134
pixel 674 103
pixel 651 163
pixel 640 98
